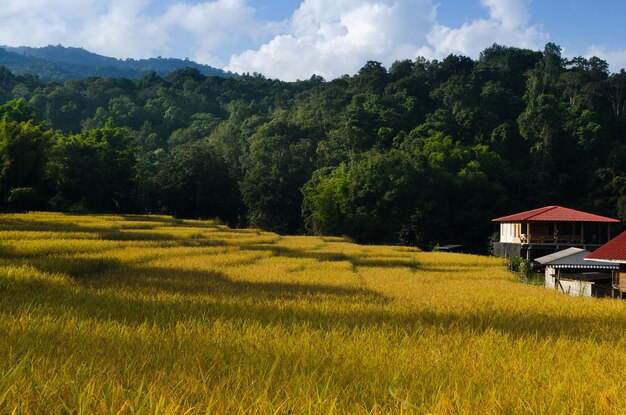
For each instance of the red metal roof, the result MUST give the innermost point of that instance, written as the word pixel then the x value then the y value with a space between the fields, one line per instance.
pixel 554 213
pixel 613 250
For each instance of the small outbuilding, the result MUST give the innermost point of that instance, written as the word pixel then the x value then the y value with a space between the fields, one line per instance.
pixel 567 271
pixel 448 248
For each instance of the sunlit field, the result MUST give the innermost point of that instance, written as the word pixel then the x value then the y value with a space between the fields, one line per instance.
pixel 149 314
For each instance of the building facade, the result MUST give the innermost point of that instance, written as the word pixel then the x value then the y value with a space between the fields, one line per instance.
pixel 542 231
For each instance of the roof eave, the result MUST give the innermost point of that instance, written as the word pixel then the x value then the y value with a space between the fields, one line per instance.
pixel 504 220
pixel 618 261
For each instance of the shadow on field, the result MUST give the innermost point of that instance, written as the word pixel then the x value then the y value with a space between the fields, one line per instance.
pixel 254 305
pixel 80 269
pixel 32 225
pixel 94 273
pixel 149 230
pixel 355 260
pixel 50 225
pixel 198 283
pixel 134 296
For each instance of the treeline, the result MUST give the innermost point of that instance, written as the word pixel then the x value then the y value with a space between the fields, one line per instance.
pixel 422 153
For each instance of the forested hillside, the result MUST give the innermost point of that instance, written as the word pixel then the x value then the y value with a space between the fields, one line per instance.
pixel 58 63
pixel 421 153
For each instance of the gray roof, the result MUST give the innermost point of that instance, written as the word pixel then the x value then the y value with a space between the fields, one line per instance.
pixel 573 258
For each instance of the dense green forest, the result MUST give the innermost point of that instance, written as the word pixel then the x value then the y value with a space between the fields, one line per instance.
pixel 422 153
pixel 58 63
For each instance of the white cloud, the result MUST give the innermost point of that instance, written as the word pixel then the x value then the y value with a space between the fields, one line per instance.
pixel 212 23
pixel 125 28
pixel 41 22
pixel 123 31
pixel 330 38
pixel 324 37
pixel 507 24
pixel 511 14
pixel 615 58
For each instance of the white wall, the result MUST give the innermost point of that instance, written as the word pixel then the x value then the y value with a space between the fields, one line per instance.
pixel 574 288
pixel 506 232
pixel 577 288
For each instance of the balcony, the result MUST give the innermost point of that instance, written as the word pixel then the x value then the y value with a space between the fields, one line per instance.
pixel 554 239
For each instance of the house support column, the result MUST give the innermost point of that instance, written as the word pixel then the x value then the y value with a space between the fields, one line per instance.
pixel 582 233
pixel 556 232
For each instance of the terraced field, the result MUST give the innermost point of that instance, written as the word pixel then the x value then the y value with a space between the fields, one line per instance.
pixel 149 314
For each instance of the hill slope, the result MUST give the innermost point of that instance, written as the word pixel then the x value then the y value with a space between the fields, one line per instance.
pixel 60 63
pixel 104 314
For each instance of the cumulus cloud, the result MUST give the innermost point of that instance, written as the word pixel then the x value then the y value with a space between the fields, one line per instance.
pixel 507 24
pixel 615 58
pixel 330 38
pixel 126 28
pixel 212 24
pixel 122 31
pixel 40 22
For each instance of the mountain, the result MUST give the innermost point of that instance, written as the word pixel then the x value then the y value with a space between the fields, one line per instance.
pixel 59 63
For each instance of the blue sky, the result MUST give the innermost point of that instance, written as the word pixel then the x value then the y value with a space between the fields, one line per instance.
pixel 290 39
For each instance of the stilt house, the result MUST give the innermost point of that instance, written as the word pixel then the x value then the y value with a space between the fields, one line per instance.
pixel 549 229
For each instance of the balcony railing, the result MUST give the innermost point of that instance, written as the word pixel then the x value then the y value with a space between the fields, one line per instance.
pixel 551 239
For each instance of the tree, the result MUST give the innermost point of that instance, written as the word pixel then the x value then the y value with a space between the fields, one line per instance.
pixel 18 110
pixel 279 163
pixel 372 78
pixel 195 183
pixel 23 147
pixel 368 200
pixel 94 170
pixel 615 91
pixel 327 204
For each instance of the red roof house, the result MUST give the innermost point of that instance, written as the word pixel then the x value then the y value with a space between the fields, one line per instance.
pixel 549 229
pixel 555 213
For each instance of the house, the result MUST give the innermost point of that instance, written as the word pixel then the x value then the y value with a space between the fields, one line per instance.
pixel 613 251
pixel 567 271
pixel 549 229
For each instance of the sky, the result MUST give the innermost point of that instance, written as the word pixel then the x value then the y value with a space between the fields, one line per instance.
pixel 291 39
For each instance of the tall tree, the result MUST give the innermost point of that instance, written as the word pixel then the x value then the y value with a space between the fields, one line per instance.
pixel 279 162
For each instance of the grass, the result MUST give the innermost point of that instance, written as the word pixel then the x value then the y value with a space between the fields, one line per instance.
pixel 149 314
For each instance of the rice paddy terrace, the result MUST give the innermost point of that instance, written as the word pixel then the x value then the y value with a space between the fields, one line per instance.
pixel 149 314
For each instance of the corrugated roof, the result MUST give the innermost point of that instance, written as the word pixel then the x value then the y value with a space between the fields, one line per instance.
pixel 560 254
pixel 555 213
pixel 614 250
pixel 572 258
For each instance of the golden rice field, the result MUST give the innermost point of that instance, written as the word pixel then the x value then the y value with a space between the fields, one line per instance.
pixel 149 314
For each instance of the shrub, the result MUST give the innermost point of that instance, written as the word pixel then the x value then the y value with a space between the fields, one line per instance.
pixel 515 263
pixel 24 199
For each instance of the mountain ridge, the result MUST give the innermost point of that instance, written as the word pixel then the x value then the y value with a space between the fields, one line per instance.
pixel 60 63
